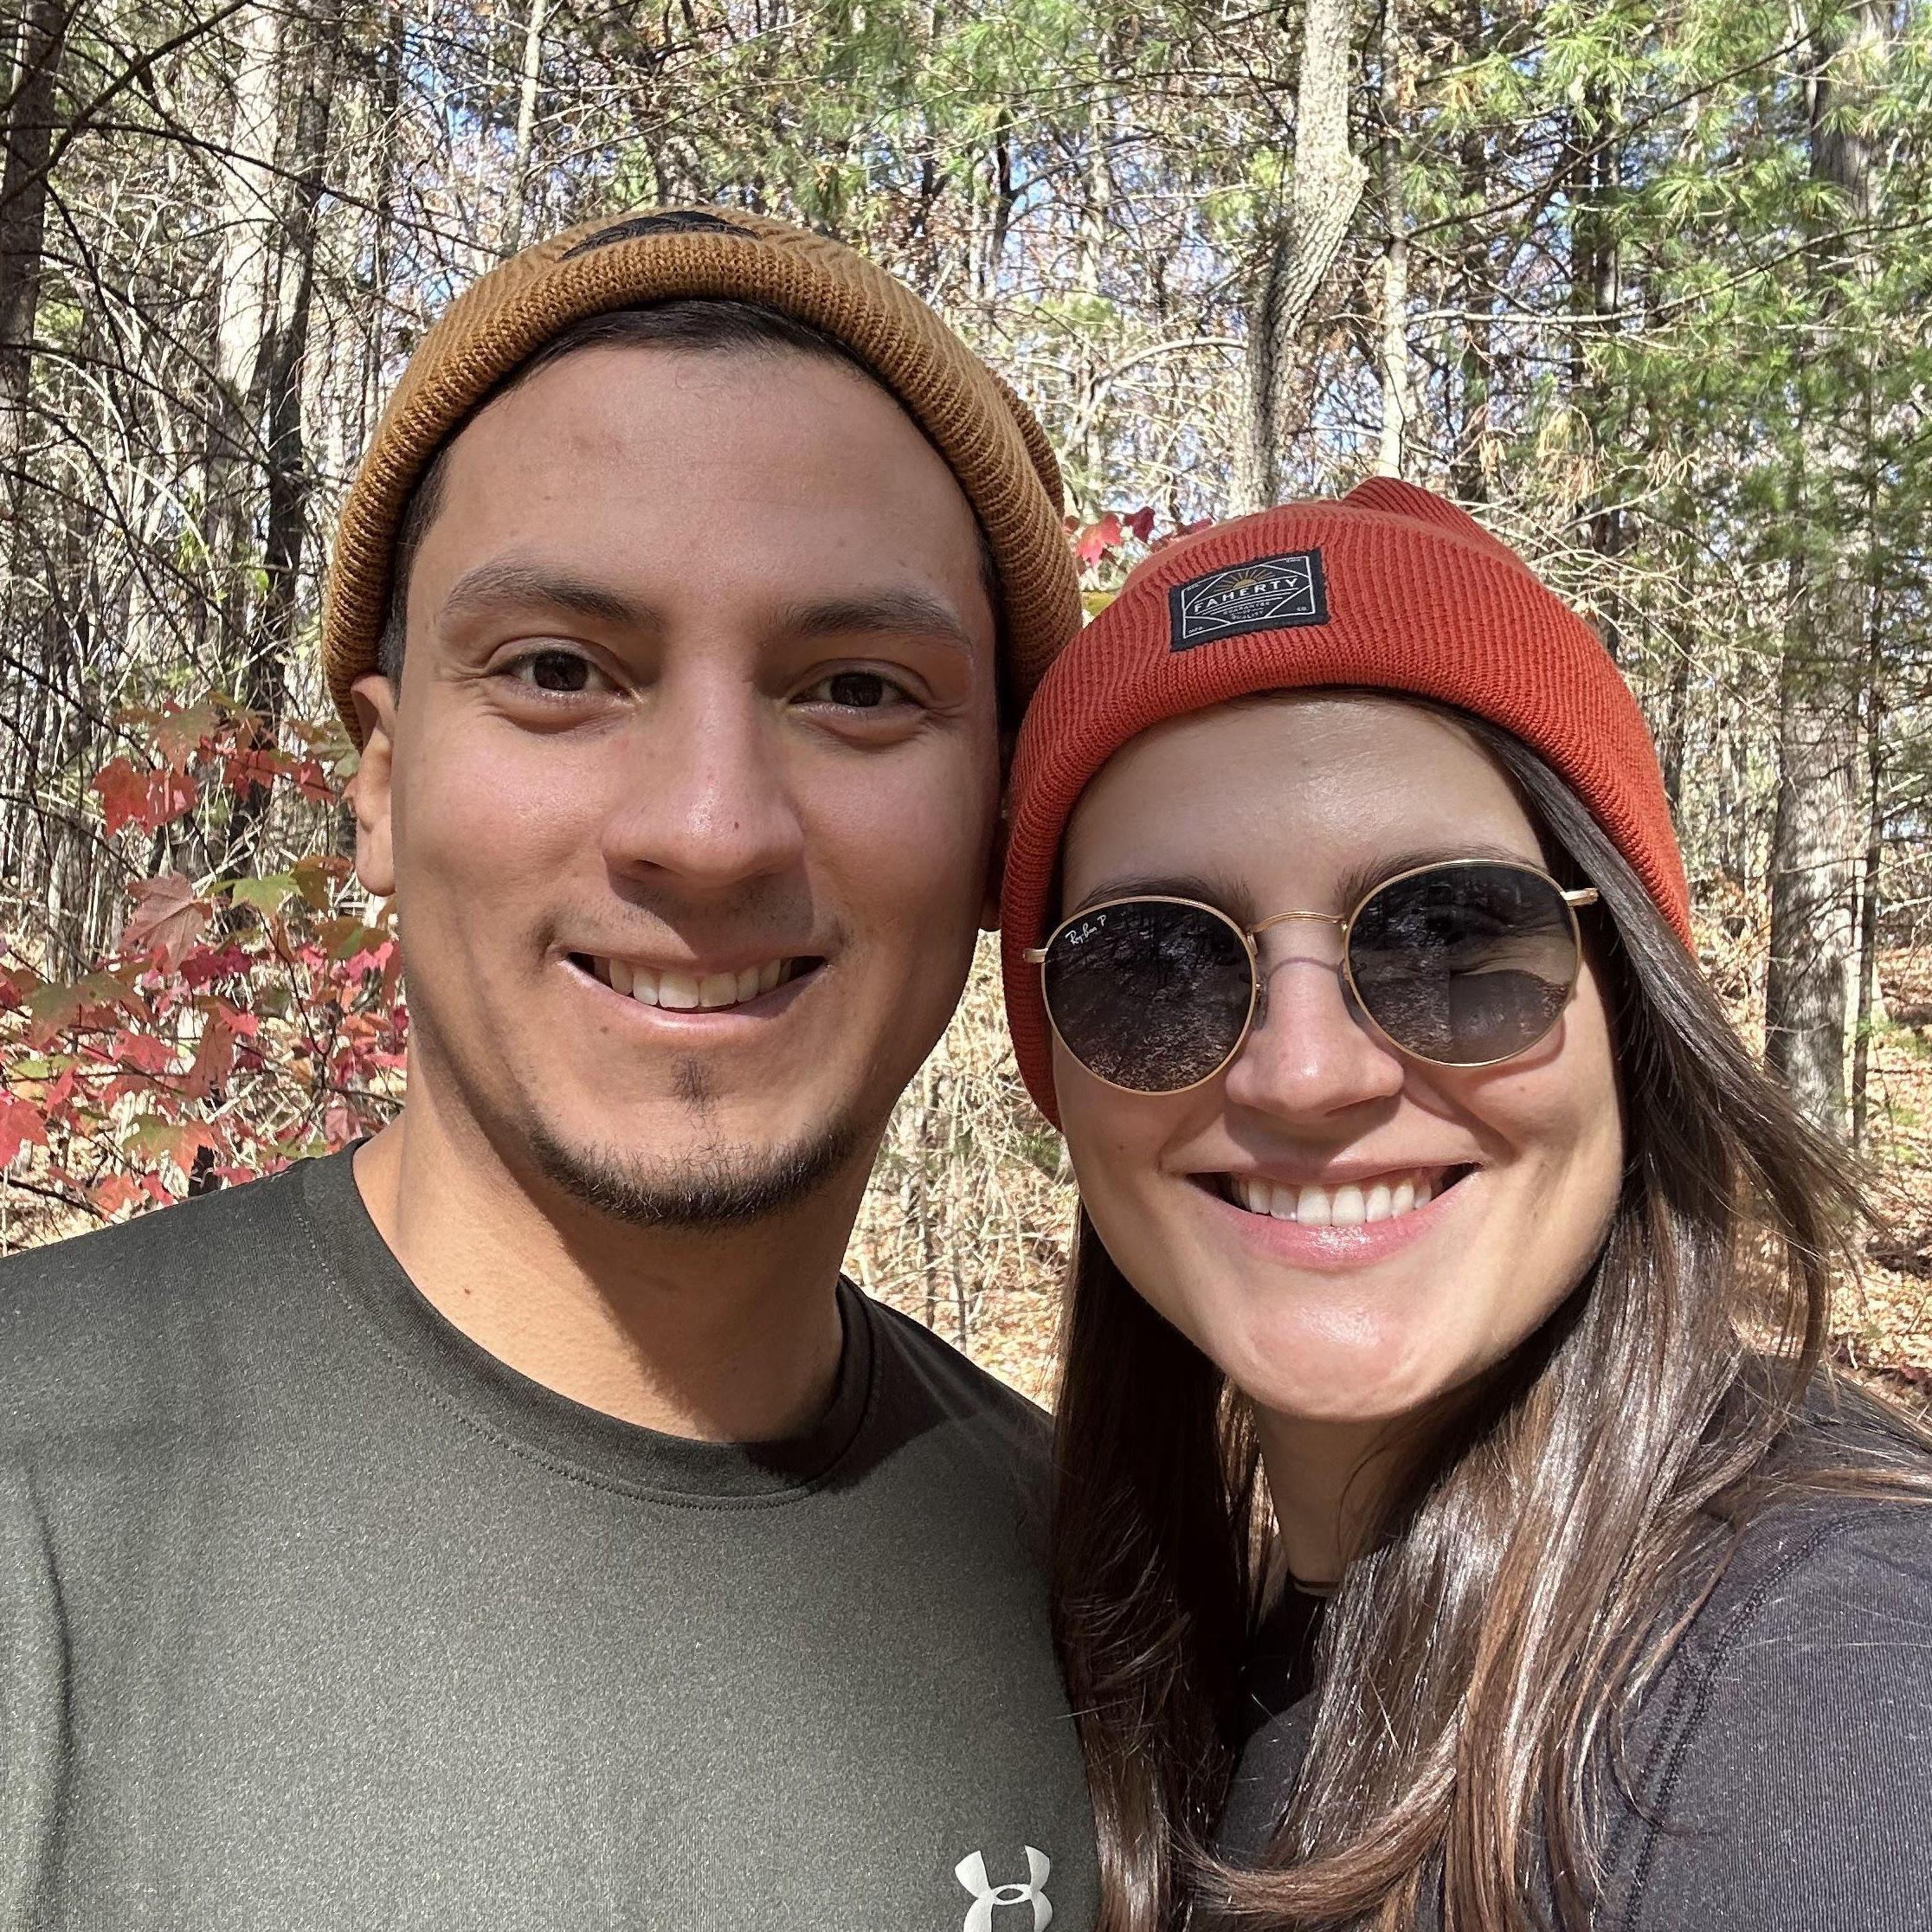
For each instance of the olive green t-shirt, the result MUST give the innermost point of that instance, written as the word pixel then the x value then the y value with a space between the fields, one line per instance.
pixel 312 1613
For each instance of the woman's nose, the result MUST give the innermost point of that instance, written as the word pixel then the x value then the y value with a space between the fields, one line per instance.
pixel 1309 1053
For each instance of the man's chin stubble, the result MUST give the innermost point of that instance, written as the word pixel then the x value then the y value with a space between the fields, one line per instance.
pixel 720 1187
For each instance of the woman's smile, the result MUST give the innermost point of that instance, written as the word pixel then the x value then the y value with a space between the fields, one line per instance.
pixel 1347 1224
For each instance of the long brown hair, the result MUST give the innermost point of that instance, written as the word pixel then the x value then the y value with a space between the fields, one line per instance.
pixel 1546 1546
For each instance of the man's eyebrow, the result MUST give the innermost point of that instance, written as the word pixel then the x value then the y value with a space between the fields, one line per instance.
pixel 877 613
pixel 492 586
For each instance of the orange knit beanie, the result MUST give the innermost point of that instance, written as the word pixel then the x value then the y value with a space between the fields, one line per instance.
pixel 986 434
pixel 1391 588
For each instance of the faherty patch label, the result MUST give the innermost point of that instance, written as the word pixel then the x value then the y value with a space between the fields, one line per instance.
pixel 1270 593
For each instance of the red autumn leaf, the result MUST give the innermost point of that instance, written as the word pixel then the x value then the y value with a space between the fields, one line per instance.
pixel 252 769
pixel 91 1001
pixel 168 919
pixel 374 959
pixel 314 877
pixel 115 1193
pixel 355 947
pixel 195 1134
pixel 153 1138
pixel 1141 524
pixel 206 964
pixel 123 792
pixel 50 1012
pixel 180 733
pixel 214 1059
pixel 20 1122
pixel 137 794
pixel 14 986
pixel 1180 531
pixel 313 782
pixel 1096 539
pixel 142 1052
pixel 237 1020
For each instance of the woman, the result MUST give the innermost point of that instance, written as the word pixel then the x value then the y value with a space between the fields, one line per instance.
pixel 1450 1501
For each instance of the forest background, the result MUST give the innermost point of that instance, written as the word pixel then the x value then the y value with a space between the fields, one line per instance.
pixel 1644 287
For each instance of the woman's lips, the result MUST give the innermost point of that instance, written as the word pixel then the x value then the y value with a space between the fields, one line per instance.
pixel 1351 1240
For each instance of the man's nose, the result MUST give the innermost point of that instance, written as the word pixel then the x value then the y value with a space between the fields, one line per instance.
pixel 1309 1053
pixel 705 793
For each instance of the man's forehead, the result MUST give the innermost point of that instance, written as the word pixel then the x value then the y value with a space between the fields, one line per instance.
pixel 601 388
pixel 879 606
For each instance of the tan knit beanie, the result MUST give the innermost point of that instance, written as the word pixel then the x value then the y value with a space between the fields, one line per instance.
pixel 987 436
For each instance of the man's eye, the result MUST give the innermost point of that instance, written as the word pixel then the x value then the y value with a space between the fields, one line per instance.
pixel 562 672
pixel 855 691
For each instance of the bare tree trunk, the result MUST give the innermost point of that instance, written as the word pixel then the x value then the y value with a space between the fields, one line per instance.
pixel 1596 294
pixel 1090 262
pixel 1328 184
pixel 1397 366
pixel 1815 833
pixel 241 321
pixel 1005 194
pixel 527 85
pixel 31 59
pixel 1676 722
pixel 1872 872
pixel 1469 464
pixel 385 99
pixel 31 76
pixel 285 354
pixel 1810 882
pixel 312 53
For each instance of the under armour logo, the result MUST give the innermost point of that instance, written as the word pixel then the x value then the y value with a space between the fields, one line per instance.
pixel 971 1873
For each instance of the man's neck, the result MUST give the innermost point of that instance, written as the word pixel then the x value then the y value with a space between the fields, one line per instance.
pixel 729 1335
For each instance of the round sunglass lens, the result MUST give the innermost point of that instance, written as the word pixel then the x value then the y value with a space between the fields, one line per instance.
pixel 1465 965
pixel 1148 994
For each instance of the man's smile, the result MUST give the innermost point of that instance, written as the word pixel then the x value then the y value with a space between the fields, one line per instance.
pixel 701 987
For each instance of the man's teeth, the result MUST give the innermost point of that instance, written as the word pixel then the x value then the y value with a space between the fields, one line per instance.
pixel 691 992
pixel 1348 1205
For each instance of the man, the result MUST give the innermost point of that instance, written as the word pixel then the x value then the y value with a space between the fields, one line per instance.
pixel 516 1523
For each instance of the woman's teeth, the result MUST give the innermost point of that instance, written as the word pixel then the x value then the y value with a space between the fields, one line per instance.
pixel 1348 1205
pixel 690 992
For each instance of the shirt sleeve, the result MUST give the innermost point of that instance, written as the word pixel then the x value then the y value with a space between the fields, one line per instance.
pixel 1790 1782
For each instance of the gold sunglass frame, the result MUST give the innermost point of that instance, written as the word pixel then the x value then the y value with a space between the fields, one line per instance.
pixel 1570 898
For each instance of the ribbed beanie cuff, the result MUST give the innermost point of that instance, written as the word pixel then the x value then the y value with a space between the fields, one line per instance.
pixel 1391 587
pixel 986 435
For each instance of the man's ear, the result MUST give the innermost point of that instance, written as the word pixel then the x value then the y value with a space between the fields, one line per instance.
pixel 370 789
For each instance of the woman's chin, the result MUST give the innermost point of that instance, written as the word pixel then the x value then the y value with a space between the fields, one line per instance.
pixel 1321 1381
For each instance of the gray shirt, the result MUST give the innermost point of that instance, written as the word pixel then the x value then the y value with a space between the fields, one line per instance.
pixel 313 1614
pixel 1776 1775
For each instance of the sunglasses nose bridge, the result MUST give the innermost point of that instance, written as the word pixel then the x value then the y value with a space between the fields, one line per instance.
pixel 1265 968
pixel 1310 919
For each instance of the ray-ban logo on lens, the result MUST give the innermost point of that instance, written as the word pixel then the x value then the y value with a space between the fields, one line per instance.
pixel 971 1873
pixel 1272 593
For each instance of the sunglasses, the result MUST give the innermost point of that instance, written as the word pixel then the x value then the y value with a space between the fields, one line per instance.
pixel 1468 962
